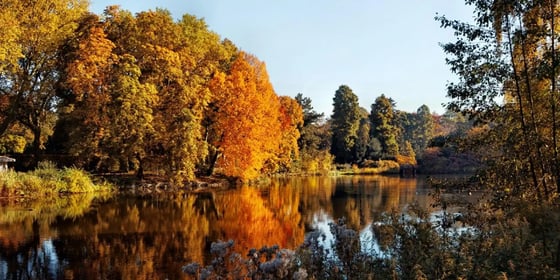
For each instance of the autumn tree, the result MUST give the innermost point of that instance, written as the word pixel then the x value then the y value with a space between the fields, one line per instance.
pixel 165 63
pixel 34 36
pixel 345 121
pixel 382 119
pixel 178 59
pixel 247 122
pixel 291 119
pixel 146 74
pixel 88 62
pixel 10 50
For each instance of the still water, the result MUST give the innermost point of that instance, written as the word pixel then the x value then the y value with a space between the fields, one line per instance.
pixel 131 237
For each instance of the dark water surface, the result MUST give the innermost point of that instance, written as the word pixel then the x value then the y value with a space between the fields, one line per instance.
pixel 130 237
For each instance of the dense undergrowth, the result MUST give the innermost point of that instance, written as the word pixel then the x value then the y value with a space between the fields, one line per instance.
pixel 47 181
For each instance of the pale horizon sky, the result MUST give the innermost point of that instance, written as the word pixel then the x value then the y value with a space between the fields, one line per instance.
pixel 375 47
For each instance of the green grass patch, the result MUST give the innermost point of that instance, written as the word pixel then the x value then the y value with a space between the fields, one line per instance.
pixel 47 180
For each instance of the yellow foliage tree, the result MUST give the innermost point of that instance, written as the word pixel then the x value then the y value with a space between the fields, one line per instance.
pixel 33 32
pixel 291 120
pixel 247 120
pixel 10 50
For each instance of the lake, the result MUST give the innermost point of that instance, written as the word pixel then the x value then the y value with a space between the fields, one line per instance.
pixel 152 237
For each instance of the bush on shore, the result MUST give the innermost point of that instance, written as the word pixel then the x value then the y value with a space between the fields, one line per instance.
pixel 47 180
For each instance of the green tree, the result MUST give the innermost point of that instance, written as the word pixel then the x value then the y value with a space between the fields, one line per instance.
pixel 345 121
pixel 382 119
pixel 406 123
pixel 309 139
pixel 310 116
pixel 363 141
pixel 315 136
pixel 423 129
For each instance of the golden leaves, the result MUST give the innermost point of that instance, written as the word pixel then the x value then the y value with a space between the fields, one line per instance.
pixel 247 118
pixel 88 73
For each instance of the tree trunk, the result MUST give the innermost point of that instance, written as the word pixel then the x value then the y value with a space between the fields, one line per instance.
pixel 36 146
pixel 140 171
pixel 213 158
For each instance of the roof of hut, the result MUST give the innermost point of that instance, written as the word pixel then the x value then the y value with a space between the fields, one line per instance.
pixel 7 159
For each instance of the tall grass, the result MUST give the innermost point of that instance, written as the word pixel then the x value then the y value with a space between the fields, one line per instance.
pixel 47 180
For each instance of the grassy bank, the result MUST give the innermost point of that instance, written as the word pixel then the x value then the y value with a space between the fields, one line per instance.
pixel 372 168
pixel 47 180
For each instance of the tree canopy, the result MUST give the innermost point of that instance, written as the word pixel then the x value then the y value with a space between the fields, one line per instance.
pixel 345 121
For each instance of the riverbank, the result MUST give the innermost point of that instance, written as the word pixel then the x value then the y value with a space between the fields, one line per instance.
pixel 154 184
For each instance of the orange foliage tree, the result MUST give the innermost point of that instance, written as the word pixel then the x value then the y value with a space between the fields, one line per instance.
pixel 247 118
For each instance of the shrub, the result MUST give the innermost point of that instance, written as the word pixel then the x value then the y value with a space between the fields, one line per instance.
pixel 76 181
pixel 46 180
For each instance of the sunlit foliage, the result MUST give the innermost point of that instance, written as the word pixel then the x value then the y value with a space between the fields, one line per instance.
pixel 291 120
pixel 48 181
pixel 247 119
pixel 136 92
pixel 35 32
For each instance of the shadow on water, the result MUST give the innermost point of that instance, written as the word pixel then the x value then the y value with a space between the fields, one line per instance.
pixel 131 237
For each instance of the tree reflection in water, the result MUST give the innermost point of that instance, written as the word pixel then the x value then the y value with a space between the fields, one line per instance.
pixel 129 237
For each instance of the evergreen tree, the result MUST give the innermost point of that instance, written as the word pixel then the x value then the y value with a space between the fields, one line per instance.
pixel 310 116
pixel 383 125
pixel 362 147
pixel 309 138
pixel 423 129
pixel 345 121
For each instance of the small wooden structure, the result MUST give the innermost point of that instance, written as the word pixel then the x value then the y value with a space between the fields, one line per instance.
pixel 4 163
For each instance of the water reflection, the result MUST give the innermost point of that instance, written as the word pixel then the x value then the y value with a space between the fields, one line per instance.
pixel 129 237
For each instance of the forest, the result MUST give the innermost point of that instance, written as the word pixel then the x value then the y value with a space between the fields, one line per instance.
pixel 148 94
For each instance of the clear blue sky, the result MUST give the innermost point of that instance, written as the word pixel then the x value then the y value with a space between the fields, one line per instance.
pixel 374 46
